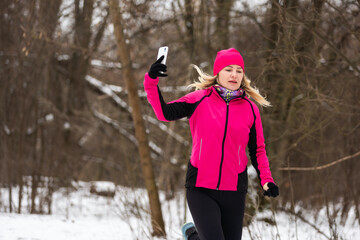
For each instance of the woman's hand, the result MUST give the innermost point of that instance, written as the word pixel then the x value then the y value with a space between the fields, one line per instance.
pixel 157 69
pixel 271 189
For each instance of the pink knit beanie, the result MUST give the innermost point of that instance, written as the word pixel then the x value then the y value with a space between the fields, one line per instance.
pixel 227 57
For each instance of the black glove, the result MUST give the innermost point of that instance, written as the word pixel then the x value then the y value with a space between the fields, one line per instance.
pixel 157 69
pixel 273 190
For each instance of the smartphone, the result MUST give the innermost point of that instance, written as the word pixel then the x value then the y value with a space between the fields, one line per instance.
pixel 163 51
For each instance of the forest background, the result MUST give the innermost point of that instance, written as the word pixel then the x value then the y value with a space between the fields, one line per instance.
pixel 73 107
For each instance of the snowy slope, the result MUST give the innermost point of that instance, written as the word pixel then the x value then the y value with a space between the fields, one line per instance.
pixel 80 215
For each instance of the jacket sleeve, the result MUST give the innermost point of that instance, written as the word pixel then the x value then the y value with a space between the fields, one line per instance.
pixel 257 150
pixel 182 107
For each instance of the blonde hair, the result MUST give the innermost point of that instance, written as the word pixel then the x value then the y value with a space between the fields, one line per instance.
pixel 207 80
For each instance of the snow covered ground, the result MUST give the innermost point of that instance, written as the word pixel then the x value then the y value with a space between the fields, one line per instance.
pixel 81 215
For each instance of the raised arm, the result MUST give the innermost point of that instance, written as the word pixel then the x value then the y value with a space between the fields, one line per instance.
pixel 174 110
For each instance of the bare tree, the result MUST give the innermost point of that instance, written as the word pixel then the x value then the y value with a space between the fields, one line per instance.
pixel 140 133
pixel 222 29
pixel 80 57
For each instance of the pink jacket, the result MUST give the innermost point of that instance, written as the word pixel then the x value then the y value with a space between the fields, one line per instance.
pixel 220 133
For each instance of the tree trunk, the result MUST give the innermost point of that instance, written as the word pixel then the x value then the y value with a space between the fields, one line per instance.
pixel 140 133
pixel 189 25
pixel 272 76
pixel 222 23
pixel 80 57
pixel 281 91
pixel 287 86
pixel 34 186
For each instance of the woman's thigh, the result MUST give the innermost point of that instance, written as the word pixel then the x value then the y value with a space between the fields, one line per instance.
pixel 206 214
pixel 232 207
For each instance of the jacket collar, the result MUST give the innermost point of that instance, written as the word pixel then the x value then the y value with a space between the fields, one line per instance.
pixel 218 94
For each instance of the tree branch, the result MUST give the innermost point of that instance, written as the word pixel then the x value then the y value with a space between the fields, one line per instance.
pixel 322 37
pixel 320 167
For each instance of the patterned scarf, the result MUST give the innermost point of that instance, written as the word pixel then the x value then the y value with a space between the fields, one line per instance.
pixel 227 94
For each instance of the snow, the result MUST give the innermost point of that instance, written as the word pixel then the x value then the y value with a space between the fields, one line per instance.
pixel 288 227
pixel 49 117
pixel 105 64
pixel 103 186
pixel 7 130
pixel 23 226
pixel 66 125
pixel 78 214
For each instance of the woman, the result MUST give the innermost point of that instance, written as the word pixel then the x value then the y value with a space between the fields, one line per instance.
pixel 223 121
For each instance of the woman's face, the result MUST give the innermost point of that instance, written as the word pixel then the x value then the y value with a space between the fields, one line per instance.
pixel 230 77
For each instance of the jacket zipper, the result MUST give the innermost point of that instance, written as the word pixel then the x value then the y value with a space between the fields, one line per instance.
pixel 223 144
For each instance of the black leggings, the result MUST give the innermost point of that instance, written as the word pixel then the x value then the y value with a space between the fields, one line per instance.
pixel 218 215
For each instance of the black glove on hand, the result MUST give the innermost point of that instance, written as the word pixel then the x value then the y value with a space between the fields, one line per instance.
pixel 157 69
pixel 273 190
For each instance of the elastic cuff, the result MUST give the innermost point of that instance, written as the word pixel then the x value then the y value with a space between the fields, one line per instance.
pixel 148 77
